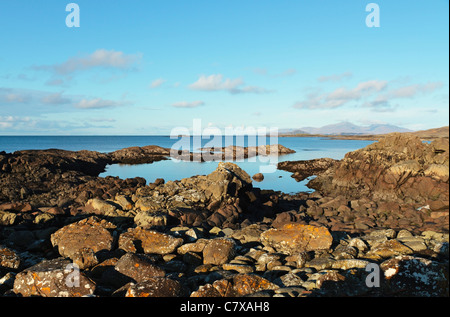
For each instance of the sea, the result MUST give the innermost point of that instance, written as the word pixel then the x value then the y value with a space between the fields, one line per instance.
pixel 306 148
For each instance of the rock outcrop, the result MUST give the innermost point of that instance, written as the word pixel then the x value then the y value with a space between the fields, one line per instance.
pixel 304 169
pixel 398 168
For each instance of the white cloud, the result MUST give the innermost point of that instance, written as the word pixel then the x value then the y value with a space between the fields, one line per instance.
pixel 157 82
pixel 7 122
pixel 374 94
pixel 216 82
pixel 100 58
pixel 341 96
pixel 55 99
pixel 15 99
pixel 412 90
pixel 186 104
pixel 98 103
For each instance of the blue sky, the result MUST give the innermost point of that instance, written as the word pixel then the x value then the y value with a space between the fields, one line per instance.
pixel 145 67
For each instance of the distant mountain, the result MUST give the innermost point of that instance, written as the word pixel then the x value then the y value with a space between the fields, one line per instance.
pixel 352 129
pixel 291 131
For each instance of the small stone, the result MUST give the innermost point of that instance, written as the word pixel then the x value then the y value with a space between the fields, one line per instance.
pixel 85 258
pixel 259 177
pixel 240 268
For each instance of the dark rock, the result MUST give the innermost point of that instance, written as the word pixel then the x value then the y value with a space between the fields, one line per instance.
pixel 138 267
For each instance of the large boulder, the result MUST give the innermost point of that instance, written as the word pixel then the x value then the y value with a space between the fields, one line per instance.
pixel 218 191
pixel 219 251
pixel 93 233
pixel 296 238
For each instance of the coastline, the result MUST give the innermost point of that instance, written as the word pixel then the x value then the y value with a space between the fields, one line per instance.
pixel 425 135
pixel 50 198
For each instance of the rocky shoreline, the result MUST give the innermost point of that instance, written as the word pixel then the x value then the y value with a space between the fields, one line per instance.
pixel 383 207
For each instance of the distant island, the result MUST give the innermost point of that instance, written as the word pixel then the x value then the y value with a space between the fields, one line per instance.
pixel 349 131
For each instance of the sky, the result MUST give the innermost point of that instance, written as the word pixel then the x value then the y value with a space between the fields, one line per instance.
pixel 146 67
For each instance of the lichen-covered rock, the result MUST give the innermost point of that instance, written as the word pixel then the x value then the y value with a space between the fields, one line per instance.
pixel 53 278
pixel 147 219
pixel 219 251
pixel 7 218
pixel 8 258
pixel 91 232
pixel 148 241
pixel 295 238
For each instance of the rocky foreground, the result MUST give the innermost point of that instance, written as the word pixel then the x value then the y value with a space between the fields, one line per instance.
pixel 377 225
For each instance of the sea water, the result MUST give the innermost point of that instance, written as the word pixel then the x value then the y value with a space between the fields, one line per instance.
pixel 306 148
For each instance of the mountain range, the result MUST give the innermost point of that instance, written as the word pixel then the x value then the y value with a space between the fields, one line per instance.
pixel 348 128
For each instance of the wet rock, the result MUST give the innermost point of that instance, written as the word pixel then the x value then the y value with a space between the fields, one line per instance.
pixel 259 177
